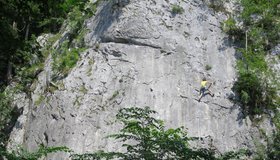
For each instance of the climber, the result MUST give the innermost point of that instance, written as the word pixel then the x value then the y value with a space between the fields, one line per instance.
pixel 203 89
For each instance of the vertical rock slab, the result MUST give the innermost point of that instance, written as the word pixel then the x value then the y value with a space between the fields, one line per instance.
pixel 139 55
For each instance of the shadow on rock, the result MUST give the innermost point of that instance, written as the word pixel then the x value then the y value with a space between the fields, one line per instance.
pixel 109 13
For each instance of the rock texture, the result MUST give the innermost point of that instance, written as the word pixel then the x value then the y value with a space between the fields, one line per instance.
pixel 142 54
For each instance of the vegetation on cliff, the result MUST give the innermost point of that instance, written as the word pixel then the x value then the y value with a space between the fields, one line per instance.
pixel 22 59
pixel 21 22
pixel 256 29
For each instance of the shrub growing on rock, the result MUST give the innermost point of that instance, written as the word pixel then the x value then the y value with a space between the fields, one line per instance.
pixel 176 9
pixel 255 85
pixel 5 116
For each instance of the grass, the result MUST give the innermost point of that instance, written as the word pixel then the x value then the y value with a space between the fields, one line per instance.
pixel 39 100
pixel 218 7
pixel 52 40
pixel 68 60
pixel 83 89
pixel 115 94
pixel 176 9
pixel 77 101
pixel 51 89
pixel 89 71
pixel 208 67
pixel 68 53
pixel 64 62
pixel 65 59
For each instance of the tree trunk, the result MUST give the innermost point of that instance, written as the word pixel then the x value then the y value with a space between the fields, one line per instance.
pixel 27 29
pixel 9 71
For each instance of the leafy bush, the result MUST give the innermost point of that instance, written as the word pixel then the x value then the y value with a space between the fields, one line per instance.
pixel 21 19
pixel 250 89
pixel 273 148
pixel 65 61
pixel 176 9
pixel 28 62
pixel 75 20
pixel 67 55
pixel 261 20
pixel 217 6
pixel 268 20
pixel 208 67
pixel 115 94
pixel 230 27
pixel 27 75
pixel 255 85
pixel 5 115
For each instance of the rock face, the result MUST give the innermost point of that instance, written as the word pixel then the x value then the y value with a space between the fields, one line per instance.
pixel 141 54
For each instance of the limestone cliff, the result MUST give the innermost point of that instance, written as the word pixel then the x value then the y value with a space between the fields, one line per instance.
pixel 141 54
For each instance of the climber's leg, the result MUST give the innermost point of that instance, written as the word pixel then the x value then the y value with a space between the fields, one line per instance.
pixel 201 93
pixel 211 93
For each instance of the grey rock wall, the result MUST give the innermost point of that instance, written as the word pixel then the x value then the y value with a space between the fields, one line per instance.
pixel 139 55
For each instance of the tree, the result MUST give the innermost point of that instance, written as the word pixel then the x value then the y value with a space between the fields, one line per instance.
pixel 151 141
pixel 256 86
pixel 20 19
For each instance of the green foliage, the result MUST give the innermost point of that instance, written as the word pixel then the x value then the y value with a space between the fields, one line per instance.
pixel 256 84
pixel 20 23
pixel 23 154
pixel 76 19
pixel 28 63
pixel 176 9
pixel 145 137
pixel 255 38
pixel 261 20
pixel 66 60
pixel 245 97
pixel 50 42
pixel 95 156
pixel 273 147
pixel 234 155
pixel 260 7
pixel 257 95
pixel 67 55
pixel 39 100
pixel 217 6
pixel 69 4
pixel 260 151
pixel 5 115
pixel 21 19
pixel 276 120
pixel 83 89
pixel 272 150
pixel 208 67
pixel 229 26
pixel 79 39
